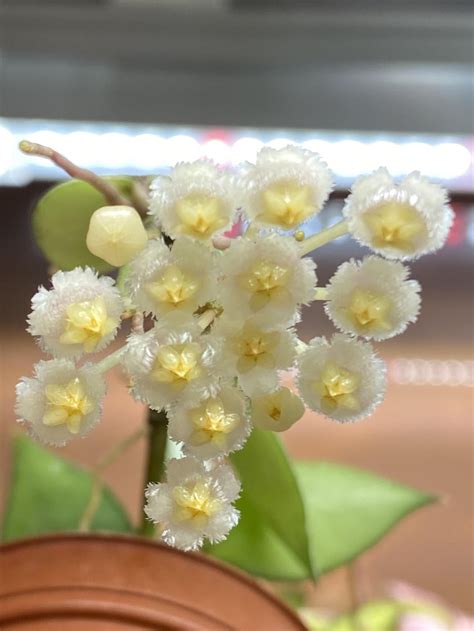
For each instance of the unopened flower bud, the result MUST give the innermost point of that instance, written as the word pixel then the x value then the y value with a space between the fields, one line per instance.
pixel 116 234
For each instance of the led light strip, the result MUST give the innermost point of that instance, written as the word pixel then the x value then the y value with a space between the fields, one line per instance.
pixel 140 149
pixel 431 372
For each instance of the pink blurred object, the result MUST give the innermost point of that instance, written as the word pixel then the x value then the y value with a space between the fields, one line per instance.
pixel 236 230
pixel 423 621
pixel 223 242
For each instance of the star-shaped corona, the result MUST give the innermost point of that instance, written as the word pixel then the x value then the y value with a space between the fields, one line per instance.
pixel 66 405
pixel 197 200
pixel 194 504
pixel 373 298
pixel 285 187
pixel 79 314
pixel 60 401
pixel 87 323
pixel 342 379
pixel 215 426
pixel 398 220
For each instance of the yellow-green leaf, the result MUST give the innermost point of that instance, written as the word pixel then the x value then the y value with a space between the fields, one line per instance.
pixel 49 494
pixel 270 539
pixel 349 510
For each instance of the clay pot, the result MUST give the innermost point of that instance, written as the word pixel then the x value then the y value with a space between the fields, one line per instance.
pixel 111 583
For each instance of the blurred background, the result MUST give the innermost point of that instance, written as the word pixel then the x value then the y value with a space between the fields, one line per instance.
pixel 135 86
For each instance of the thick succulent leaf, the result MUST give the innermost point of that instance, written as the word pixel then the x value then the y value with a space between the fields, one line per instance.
pixel 349 510
pixel 61 221
pixel 49 494
pixel 270 539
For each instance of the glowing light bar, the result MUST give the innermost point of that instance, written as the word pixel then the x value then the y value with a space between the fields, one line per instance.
pixel 432 372
pixel 141 149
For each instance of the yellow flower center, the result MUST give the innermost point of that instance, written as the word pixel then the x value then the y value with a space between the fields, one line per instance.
pixel 201 215
pixel 337 387
pixel 286 203
pixel 172 287
pixel 212 423
pixel 195 503
pixel 66 405
pixel 255 349
pixel 397 225
pixel 275 412
pixel 265 281
pixel 87 323
pixel 369 311
pixel 177 363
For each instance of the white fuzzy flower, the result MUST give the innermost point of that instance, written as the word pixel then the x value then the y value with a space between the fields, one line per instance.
pixel 161 280
pixel 196 200
pixel 373 298
pixel 194 504
pixel 277 411
pixel 267 279
pixel 401 221
pixel 285 187
pixel 172 361
pixel 60 401
pixel 343 379
pixel 213 427
pixel 80 314
pixel 255 355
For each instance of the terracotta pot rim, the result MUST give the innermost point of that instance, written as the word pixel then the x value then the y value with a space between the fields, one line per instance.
pixel 120 538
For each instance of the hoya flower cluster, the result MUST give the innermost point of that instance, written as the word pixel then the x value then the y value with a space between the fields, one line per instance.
pixel 220 317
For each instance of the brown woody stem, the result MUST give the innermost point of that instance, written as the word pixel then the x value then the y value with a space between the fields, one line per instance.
pixel 111 194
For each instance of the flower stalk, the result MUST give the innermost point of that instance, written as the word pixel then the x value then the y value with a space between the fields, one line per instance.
pixel 325 236
pixel 112 360
pixel 111 194
pixel 321 293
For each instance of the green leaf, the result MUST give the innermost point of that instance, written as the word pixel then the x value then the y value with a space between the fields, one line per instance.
pixel 61 221
pixel 49 494
pixel 349 510
pixel 270 540
pixel 255 547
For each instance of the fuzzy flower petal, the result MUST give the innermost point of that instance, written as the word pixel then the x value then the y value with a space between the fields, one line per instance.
pixel 194 504
pixel 60 401
pixel 163 280
pixel 277 411
pixel 343 379
pixel 285 187
pixel 373 298
pixel 172 361
pixel 399 221
pixel 213 427
pixel 196 200
pixel 266 279
pixel 79 314
pixel 255 355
